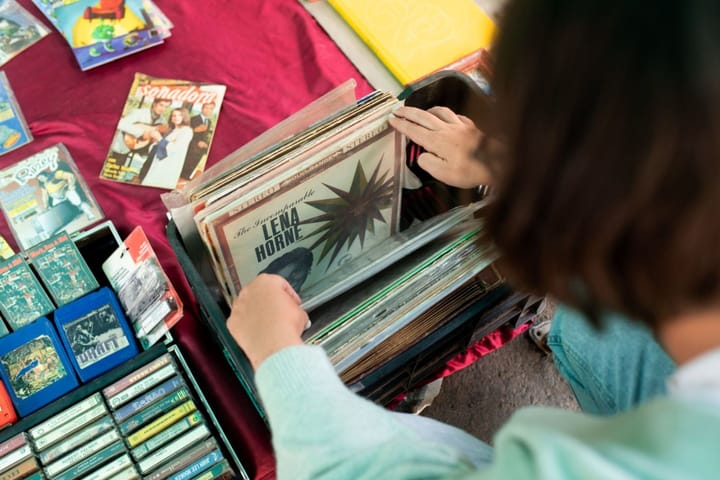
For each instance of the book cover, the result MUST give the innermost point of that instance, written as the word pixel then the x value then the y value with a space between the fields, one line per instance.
pixel 100 31
pixel 415 37
pixel 149 299
pixel 14 132
pixel 18 30
pixel 312 219
pixel 95 333
pixel 164 133
pixel 22 299
pixel 45 194
pixel 62 269
pixel 34 366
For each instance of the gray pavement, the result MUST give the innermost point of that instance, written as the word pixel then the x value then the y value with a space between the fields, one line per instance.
pixel 481 397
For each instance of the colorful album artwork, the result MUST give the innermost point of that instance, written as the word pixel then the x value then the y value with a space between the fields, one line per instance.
pixel 33 366
pixel 14 131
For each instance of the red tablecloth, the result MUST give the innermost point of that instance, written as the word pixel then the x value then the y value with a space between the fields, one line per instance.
pixel 273 58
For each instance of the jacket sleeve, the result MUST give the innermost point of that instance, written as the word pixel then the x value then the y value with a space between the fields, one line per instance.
pixel 321 430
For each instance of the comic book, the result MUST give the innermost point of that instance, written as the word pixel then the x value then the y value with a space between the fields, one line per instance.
pixel 164 133
pixel 45 194
pixel 102 31
pixel 14 131
pixel 18 30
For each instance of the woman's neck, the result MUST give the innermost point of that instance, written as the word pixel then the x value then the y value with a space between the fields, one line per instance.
pixel 690 335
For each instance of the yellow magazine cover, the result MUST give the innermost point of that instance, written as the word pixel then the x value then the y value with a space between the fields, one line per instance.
pixel 415 37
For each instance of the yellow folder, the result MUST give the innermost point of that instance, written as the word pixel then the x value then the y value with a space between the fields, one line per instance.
pixel 415 37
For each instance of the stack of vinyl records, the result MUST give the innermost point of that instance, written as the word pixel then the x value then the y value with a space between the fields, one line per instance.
pixel 317 199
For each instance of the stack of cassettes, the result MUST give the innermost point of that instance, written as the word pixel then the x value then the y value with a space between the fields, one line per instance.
pixel 157 416
pixel 17 460
pixel 82 441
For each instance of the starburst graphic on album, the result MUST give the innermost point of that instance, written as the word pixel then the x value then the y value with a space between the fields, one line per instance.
pixel 352 214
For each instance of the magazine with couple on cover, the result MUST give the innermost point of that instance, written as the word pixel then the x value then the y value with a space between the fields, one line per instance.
pixel 165 131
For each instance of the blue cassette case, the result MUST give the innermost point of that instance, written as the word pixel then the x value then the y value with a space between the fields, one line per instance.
pixel 35 367
pixel 95 333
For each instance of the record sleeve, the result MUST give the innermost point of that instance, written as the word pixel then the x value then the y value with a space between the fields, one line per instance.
pixel 22 299
pixel 34 366
pixel 307 222
pixel 62 269
pixel 45 194
pixel 95 333
pixel 14 131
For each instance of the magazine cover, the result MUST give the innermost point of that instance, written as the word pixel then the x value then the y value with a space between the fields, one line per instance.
pixel 164 133
pixel 45 194
pixel 101 31
pixel 312 220
pixel 14 131
pixel 18 30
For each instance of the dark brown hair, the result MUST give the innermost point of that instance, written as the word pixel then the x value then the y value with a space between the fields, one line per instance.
pixel 611 192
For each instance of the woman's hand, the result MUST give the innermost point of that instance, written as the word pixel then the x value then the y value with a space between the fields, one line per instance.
pixel 452 144
pixel 266 317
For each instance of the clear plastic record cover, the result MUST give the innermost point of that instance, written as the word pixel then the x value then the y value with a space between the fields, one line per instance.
pixel 14 132
pixel 45 194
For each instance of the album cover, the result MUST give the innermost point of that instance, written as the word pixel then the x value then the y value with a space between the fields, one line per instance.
pixel 95 333
pixel 62 269
pixel 45 194
pixel 34 366
pixel 164 133
pixel 307 222
pixel 22 299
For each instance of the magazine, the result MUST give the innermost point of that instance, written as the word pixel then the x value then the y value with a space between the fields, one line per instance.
pixel 164 133
pixel 44 194
pixel 14 131
pixel 18 30
pixel 100 32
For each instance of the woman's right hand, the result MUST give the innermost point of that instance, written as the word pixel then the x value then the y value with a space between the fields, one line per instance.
pixel 452 144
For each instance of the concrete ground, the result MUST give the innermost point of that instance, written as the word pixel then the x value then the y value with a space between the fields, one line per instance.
pixel 480 398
